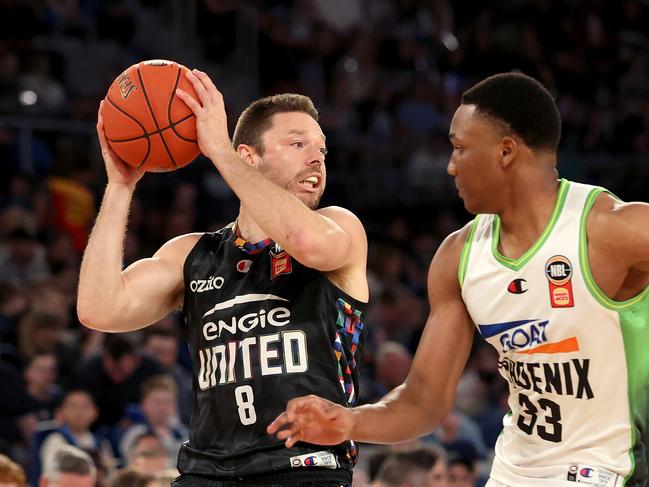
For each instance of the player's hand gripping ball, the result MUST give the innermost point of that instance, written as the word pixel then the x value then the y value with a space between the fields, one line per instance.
pixel 145 123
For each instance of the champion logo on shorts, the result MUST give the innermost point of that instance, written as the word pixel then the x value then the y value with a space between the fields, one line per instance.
pixel 592 475
pixel 323 459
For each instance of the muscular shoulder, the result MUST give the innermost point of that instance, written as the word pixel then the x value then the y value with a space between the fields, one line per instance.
pixel 177 249
pixel 619 228
pixel 444 267
pixel 340 215
pixel 346 220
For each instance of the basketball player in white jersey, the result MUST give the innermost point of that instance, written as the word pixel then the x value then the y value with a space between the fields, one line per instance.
pixel 554 274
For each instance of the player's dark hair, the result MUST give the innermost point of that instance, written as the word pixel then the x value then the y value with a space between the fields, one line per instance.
pixel 523 104
pixel 258 117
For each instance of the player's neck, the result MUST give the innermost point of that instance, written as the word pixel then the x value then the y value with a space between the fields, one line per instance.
pixel 528 209
pixel 248 229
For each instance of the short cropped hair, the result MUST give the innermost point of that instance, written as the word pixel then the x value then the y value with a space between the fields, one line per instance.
pixel 159 382
pixel 11 472
pixel 257 118
pixel 69 459
pixel 399 465
pixel 131 478
pixel 523 104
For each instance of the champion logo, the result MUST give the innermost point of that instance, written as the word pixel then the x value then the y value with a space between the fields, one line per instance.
pixel 517 286
pixel 586 472
pixel 244 265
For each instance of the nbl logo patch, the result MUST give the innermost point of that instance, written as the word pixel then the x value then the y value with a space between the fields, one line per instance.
pixel 558 270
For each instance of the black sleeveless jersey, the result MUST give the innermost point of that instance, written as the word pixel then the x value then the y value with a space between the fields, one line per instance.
pixel 263 329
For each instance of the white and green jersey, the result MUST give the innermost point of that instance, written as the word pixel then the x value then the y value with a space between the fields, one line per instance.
pixel 577 362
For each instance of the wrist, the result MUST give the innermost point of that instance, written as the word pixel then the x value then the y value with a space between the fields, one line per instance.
pixel 354 422
pixel 221 154
pixel 120 188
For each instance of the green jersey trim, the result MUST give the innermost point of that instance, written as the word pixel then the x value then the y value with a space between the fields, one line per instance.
pixel 634 324
pixel 592 286
pixel 516 264
pixel 466 252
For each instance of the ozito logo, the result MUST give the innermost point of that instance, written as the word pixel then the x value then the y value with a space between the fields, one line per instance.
pixel 558 270
pixel 517 286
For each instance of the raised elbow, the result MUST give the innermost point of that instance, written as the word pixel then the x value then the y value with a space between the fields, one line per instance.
pixel 90 316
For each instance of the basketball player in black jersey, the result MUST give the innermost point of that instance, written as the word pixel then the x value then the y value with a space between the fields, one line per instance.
pixel 273 302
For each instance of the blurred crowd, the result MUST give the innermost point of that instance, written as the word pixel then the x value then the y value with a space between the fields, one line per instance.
pixel 386 76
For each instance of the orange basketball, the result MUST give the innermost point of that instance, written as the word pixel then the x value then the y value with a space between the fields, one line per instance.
pixel 145 123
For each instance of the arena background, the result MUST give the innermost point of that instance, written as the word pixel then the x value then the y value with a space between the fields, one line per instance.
pixel 386 77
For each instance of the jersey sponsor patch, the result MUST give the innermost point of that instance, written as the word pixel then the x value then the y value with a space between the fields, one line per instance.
pixel 527 337
pixel 558 270
pixel 322 459
pixel 279 264
pixel 596 476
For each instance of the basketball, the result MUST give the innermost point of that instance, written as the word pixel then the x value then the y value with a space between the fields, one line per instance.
pixel 145 123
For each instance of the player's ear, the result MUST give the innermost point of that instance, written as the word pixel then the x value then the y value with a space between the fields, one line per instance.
pixel 248 154
pixel 509 148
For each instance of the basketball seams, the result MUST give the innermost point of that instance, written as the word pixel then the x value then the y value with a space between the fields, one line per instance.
pixel 155 132
pixel 155 121
pixel 144 136
pixel 173 124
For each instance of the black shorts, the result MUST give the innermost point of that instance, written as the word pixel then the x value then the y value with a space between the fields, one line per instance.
pixel 302 478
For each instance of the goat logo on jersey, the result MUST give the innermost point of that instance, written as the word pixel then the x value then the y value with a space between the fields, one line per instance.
pixel 527 337
pixel 558 270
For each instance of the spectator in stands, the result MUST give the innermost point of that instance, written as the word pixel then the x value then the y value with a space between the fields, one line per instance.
pixel 420 467
pixel 23 258
pixel 461 472
pixel 133 478
pixel 42 331
pixel 11 474
pixel 115 378
pixel 162 345
pixel 41 385
pixel 69 467
pixel 159 399
pixel 73 421
pixel 392 364
pixel 147 454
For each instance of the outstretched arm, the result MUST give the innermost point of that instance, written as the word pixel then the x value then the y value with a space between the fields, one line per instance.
pixel 325 239
pixel 422 402
pixel 113 300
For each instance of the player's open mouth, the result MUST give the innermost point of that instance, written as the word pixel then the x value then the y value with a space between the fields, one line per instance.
pixel 311 183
